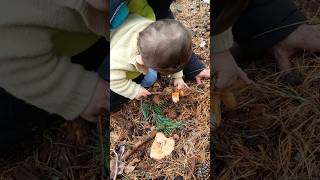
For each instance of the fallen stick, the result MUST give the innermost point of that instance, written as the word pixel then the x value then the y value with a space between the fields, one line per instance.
pixel 138 145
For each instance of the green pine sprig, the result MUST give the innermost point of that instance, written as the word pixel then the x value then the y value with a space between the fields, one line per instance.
pixel 163 123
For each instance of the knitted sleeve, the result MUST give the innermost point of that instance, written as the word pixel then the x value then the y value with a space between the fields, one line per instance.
pixel 120 84
pixel 177 75
pixel 32 72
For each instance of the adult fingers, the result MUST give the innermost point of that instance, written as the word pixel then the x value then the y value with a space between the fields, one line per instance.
pixel 224 80
pixel 243 76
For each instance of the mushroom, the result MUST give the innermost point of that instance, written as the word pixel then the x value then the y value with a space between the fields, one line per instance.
pixel 181 93
pixel 175 97
pixel 161 147
pixel 228 99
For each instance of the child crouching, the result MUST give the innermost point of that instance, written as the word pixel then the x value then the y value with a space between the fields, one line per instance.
pixel 140 49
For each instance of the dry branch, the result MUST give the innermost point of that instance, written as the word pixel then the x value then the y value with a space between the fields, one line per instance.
pixel 138 145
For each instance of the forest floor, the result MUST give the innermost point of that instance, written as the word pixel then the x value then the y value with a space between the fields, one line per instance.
pixel 78 149
pixel 274 131
pixel 128 126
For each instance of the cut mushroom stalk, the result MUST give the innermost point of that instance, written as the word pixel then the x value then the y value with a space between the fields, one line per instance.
pixel 175 97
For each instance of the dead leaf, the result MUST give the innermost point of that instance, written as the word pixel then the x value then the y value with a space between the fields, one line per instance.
pixel 129 169
pixel 156 99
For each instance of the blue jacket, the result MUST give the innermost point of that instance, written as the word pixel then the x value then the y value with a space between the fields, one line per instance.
pixel 118 12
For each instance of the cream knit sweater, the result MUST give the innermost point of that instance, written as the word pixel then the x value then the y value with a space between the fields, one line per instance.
pixel 30 69
pixel 123 52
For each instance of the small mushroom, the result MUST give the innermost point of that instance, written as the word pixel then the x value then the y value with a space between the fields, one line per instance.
pixel 181 93
pixel 161 147
pixel 229 99
pixel 175 97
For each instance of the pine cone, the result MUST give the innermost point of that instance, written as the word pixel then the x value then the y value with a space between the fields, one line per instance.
pixel 203 171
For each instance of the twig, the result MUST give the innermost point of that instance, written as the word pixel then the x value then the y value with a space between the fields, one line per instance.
pixel 138 145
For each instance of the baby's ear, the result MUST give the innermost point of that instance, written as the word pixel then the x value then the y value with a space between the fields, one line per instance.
pixel 139 60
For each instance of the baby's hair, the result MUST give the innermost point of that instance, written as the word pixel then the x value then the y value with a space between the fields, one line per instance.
pixel 165 45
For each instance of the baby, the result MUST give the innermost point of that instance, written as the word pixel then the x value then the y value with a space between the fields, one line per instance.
pixel 141 46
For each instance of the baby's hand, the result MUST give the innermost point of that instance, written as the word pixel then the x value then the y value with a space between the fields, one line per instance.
pixel 204 74
pixel 179 83
pixel 142 93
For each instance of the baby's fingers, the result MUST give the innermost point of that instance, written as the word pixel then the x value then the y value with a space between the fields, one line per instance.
pixel 147 93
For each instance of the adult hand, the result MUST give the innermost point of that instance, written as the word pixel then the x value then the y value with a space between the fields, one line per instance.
pixel 227 70
pixel 179 83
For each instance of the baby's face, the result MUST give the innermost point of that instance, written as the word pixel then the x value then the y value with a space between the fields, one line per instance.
pixel 101 5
